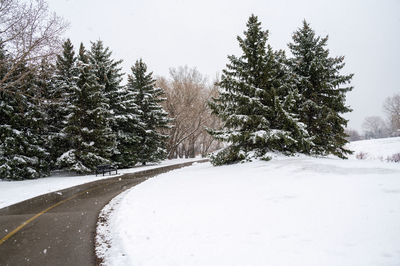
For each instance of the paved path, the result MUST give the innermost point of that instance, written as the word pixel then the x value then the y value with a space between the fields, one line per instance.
pixel 60 227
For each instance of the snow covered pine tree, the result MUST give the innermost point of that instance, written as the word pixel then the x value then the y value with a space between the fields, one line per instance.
pixel 22 122
pixel 60 96
pixel 88 124
pixel 151 144
pixel 257 103
pixel 123 110
pixel 319 81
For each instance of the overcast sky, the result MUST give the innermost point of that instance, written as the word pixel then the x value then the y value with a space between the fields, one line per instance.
pixel 172 33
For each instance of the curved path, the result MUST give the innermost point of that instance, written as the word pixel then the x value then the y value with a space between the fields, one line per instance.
pixel 59 228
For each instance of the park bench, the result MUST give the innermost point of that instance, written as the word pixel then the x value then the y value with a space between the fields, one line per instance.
pixel 105 168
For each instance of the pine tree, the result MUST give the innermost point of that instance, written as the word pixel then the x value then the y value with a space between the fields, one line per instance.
pixel 253 102
pixel 61 89
pixel 126 128
pixel 108 72
pixel 319 80
pixel 123 117
pixel 87 127
pixel 152 117
pixel 22 123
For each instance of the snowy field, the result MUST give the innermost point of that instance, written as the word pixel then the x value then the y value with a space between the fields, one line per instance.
pixel 288 211
pixel 376 149
pixel 12 192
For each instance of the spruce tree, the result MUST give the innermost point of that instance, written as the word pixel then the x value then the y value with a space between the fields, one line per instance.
pixel 22 125
pixel 147 97
pixel 108 72
pixel 122 117
pixel 87 127
pixel 319 80
pixel 61 89
pixel 256 102
pixel 127 128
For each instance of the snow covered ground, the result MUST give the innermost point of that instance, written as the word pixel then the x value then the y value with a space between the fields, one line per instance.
pixel 288 211
pixel 12 192
pixel 375 149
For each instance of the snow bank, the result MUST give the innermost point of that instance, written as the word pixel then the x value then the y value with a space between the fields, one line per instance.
pixel 12 192
pixel 375 149
pixel 288 211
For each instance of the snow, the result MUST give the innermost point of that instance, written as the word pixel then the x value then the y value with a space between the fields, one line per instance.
pixel 287 211
pixel 376 149
pixel 12 192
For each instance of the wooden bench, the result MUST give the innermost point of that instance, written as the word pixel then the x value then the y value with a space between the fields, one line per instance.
pixel 105 168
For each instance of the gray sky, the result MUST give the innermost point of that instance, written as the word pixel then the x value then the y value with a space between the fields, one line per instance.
pixel 171 33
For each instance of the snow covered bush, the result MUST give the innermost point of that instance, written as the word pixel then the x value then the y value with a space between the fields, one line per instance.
pixel 228 155
pixel 395 158
pixel 361 155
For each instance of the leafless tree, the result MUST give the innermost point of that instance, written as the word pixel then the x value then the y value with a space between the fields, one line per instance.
pixel 392 109
pixel 29 33
pixel 353 135
pixel 187 94
pixel 374 127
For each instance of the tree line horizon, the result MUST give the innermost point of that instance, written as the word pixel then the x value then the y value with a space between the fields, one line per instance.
pixel 70 111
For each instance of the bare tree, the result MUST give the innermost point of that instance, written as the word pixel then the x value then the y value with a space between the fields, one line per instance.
pixel 392 109
pixel 352 134
pixel 374 127
pixel 207 142
pixel 187 94
pixel 29 33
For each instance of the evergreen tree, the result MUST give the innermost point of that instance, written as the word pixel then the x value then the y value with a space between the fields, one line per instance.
pixel 61 89
pixel 87 127
pixel 108 72
pixel 319 80
pixel 141 86
pixel 122 117
pixel 257 103
pixel 22 138
pixel 127 126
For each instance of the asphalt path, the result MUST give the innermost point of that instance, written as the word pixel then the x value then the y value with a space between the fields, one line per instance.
pixel 59 228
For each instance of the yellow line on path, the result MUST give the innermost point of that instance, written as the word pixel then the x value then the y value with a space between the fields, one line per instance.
pixel 13 232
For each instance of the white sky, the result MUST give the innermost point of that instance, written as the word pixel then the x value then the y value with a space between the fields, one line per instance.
pixel 172 33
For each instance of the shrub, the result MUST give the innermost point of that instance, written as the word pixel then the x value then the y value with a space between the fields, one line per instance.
pixel 228 155
pixel 395 158
pixel 361 155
